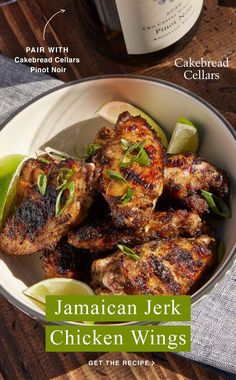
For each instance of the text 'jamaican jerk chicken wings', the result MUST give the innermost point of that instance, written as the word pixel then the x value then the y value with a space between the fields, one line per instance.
pixel 52 196
pixel 100 235
pixel 131 166
pixel 186 174
pixel 172 266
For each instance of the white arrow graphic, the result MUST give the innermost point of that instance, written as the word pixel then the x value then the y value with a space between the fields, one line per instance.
pixel 44 30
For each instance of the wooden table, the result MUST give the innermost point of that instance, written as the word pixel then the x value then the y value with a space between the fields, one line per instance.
pixel 22 354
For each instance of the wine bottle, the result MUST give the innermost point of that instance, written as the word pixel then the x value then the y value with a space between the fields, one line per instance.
pixel 137 30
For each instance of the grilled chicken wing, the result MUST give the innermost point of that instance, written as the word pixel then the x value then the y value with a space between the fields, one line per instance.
pixel 172 266
pixel 63 261
pixel 67 261
pixel 52 196
pixel 104 135
pixel 131 164
pixel 101 235
pixel 186 174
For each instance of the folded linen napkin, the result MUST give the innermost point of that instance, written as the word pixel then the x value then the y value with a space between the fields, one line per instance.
pixel 214 318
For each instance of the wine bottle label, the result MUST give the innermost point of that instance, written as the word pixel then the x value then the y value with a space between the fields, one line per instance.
pixel 152 25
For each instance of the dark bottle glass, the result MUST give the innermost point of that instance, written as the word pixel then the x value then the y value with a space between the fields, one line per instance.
pixel 140 31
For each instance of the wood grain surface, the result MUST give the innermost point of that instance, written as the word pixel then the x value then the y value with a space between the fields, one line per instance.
pixel 22 353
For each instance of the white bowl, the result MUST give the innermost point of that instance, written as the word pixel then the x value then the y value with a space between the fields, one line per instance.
pixel 72 106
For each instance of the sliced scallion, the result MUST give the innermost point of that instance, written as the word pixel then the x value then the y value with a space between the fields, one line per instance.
pixel 43 160
pixel 143 159
pixel 56 154
pixel 114 175
pixel 129 252
pixel 90 149
pixel 63 176
pixel 125 144
pixel 118 177
pixel 68 186
pixel 134 153
pixel 127 196
pixel 216 204
pixel 42 183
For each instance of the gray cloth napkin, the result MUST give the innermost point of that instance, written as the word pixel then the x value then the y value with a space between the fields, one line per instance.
pixel 214 318
pixel 18 86
pixel 214 326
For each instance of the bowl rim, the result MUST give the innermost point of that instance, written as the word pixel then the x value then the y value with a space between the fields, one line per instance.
pixel 228 264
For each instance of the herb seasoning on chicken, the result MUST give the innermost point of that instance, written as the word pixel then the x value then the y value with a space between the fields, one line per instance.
pixel 132 171
pixel 47 208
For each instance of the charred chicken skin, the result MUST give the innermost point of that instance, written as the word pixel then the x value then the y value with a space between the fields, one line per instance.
pixel 186 174
pixel 101 235
pixel 131 166
pixel 68 262
pixel 172 266
pixel 52 196
pixel 104 135
pixel 63 261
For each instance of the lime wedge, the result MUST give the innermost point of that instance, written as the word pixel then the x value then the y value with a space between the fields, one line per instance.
pixel 183 120
pixel 57 286
pixel 9 170
pixel 111 110
pixel 184 137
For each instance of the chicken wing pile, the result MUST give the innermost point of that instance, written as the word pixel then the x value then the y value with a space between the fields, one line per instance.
pixel 46 211
pixel 130 219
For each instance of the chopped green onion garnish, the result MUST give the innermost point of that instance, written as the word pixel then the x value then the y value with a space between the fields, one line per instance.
pixel 129 252
pixel 220 251
pixel 216 204
pixel 64 175
pixel 91 149
pixel 68 186
pixel 41 159
pixel 125 144
pixel 116 176
pixel 42 183
pixel 67 172
pixel 127 196
pixel 56 154
pixel 143 159
pixel 141 156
